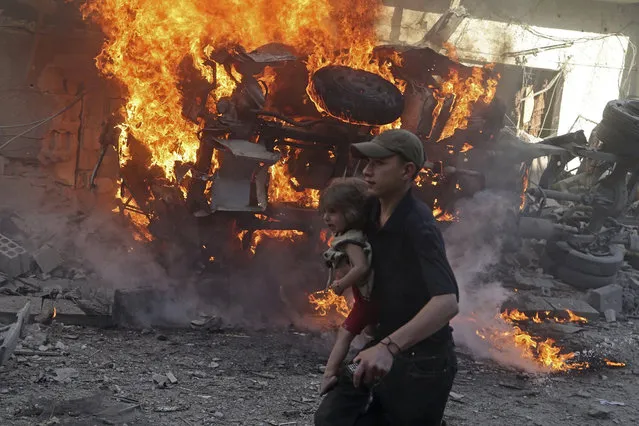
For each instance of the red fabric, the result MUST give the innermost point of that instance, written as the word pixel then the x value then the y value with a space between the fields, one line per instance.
pixel 362 315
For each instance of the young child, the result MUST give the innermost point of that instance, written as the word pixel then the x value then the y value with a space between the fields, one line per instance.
pixel 349 256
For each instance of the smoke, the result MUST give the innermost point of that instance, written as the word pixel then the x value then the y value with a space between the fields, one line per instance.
pixel 474 247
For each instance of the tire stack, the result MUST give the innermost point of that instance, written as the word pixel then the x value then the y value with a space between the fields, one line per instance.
pixel 580 269
pixel 619 128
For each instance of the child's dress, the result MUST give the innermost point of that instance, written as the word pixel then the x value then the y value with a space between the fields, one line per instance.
pixel 336 257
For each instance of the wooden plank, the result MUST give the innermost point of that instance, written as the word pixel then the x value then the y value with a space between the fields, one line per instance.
pixel 15 332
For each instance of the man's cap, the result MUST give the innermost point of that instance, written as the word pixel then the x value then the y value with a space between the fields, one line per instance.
pixel 392 142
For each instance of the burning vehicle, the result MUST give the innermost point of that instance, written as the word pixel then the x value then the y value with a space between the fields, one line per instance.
pixel 252 136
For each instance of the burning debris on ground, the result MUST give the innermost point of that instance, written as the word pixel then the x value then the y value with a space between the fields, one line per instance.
pixel 205 134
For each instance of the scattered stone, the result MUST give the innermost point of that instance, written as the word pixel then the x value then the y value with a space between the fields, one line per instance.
pixel 47 258
pixel 608 297
pixel 599 412
pixel 457 397
pixel 171 377
pixel 71 336
pixel 146 331
pixel 198 374
pixel 61 346
pixel 218 414
pixel 171 408
pixel 611 315
pixel 162 338
pixel 160 380
pixel 321 368
pixel 214 364
pixel 64 375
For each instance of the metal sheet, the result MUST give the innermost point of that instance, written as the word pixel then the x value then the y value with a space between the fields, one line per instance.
pixel 246 149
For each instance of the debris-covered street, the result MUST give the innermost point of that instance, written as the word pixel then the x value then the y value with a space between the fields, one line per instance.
pixel 90 376
pixel 171 252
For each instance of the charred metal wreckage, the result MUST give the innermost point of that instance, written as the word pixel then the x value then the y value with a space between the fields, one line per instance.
pixel 594 230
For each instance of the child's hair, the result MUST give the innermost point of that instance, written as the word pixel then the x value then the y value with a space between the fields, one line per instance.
pixel 347 196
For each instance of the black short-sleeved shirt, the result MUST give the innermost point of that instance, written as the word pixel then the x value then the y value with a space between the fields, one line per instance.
pixel 410 266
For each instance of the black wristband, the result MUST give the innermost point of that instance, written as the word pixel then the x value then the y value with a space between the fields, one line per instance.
pixel 388 345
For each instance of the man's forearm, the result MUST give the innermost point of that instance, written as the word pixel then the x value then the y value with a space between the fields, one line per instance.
pixel 431 318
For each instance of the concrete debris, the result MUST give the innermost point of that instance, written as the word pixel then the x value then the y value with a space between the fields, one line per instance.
pixel 14 259
pixel 457 397
pixel 608 297
pixel 64 375
pixel 47 258
pixel 611 315
pixel 554 305
pixel 171 378
pixel 9 340
pixel 160 380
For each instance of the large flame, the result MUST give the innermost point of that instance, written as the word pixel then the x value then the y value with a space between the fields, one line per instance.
pixel 147 40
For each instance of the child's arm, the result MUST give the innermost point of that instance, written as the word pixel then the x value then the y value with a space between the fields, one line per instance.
pixel 338 354
pixel 359 269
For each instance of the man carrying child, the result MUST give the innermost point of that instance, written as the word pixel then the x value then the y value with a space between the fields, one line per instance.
pixel 404 376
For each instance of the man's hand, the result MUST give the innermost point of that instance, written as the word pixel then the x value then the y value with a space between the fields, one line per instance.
pixel 374 363
pixel 328 382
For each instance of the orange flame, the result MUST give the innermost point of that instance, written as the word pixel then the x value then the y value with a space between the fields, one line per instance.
pixel 261 234
pixel 325 300
pixel 465 92
pixel 614 364
pixel 544 353
pixel 54 313
pixel 147 41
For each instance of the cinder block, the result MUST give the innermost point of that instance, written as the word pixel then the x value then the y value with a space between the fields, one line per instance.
pixel 47 258
pixel 14 259
pixel 608 297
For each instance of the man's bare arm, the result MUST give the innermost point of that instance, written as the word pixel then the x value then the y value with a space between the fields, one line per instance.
pixel 432 317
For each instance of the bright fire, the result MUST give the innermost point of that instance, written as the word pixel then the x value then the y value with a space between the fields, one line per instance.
pixel 147 40
pixel 524 187
pixel 280 235
pixel 325 300
pixel 543 352
pixel 465 92
pixel 516 315
pixel 54 313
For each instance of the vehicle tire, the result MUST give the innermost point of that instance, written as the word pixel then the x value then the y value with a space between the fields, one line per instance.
pixel 582 280
pixel 356 96
pixel 563 255
pixel 616 141
pixel 624 116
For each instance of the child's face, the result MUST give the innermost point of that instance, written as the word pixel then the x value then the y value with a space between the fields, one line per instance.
pixel 334 220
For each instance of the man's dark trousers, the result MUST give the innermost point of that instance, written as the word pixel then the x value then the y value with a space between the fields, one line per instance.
pixel 413 393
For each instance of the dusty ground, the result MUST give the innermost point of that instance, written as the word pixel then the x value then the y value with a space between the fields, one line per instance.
pixel 260 378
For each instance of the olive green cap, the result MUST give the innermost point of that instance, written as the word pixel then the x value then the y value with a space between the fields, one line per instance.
pixel 392 142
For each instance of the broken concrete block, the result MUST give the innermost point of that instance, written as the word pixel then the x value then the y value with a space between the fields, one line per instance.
pixel 578 307
pixel 47 258
pixel 608 297
pixel 611 315
pixel 14 259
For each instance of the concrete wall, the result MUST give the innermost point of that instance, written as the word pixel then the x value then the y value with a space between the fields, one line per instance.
pixel 598 62
pixel 46 61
